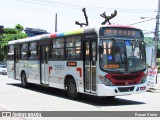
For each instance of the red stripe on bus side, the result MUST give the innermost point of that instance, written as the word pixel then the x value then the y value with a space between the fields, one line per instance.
pixel 53 35
pixel 49 69
pixel 80 71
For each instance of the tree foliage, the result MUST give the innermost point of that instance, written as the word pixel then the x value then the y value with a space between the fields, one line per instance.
pixel 8 35
pixel 150 41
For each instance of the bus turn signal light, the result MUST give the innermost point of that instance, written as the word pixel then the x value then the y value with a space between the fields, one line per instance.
pixel 143 88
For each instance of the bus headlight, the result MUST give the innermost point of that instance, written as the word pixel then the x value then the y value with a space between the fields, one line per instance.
pixel 143 80
pixel 105 81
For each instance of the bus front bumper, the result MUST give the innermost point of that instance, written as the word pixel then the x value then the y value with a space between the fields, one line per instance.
pixel 103 90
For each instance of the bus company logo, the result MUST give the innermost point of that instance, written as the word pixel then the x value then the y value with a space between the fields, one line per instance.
pixel 6 114
pixel 126 83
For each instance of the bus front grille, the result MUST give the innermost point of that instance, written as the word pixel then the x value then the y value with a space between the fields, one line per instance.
pixel 125 89
pixel 125 79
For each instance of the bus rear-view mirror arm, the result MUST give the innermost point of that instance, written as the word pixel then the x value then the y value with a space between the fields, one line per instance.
pixel 86 18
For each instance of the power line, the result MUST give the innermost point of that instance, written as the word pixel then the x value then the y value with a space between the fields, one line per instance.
pixel 142 21
pixel 42 4
pixel 91 7
pixel 77 6
pixel 148 32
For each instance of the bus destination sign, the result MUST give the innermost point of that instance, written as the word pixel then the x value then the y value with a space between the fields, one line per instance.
pixel 120 32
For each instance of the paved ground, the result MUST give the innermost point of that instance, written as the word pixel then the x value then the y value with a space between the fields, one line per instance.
pixel 114 107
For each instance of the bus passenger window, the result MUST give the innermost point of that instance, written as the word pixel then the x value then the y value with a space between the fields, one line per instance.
pixel 87 51
pixel 24 51
pixel 32 51
pixel 57 48
pixel 73 47
pixel 10 55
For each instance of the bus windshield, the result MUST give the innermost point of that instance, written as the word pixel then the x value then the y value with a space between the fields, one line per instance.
pixel 122 55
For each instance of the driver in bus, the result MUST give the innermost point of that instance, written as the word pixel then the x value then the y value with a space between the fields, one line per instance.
pixel 119 57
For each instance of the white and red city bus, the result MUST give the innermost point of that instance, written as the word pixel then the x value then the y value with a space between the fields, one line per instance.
pixel 101 61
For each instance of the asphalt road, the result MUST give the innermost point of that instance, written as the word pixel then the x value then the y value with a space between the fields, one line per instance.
pixel 15 98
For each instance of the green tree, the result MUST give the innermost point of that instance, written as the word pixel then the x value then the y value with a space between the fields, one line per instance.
pixel 149 40
pixel 8 35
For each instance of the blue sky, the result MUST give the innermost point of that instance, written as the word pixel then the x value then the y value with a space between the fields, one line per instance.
pixel 41 13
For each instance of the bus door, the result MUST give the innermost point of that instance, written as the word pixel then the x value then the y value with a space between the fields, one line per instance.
pixel 16 61
pixel 44 55
pixel 90 65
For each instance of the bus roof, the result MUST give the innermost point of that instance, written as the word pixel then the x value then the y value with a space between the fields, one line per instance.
pixel 54 35
pixel 121 26
pixel 36 38
pixel 67 33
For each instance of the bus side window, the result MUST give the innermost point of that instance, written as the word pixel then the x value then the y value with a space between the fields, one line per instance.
pixel 10 55
pixel 24 51
pixel 37 56
pixel 57 48
pixel 32 51
pixel 73 47
pixel 50 52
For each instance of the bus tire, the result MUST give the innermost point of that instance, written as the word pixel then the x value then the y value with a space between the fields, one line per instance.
pixel 72 89
pixel 24 80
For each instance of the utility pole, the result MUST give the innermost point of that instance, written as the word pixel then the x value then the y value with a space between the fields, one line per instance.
pixel 156 36
pixel 56 23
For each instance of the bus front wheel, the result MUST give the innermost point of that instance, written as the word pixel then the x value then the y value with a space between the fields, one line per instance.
pixel 24 80
pixel 72 89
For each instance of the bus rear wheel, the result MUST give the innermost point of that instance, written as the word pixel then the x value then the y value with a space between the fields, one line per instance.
pixel 72 89
pixel 24 80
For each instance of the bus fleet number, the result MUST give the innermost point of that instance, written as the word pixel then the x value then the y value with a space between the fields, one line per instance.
pixel 59 67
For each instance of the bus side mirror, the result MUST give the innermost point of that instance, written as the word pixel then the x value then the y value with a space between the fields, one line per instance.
pixel 101 48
